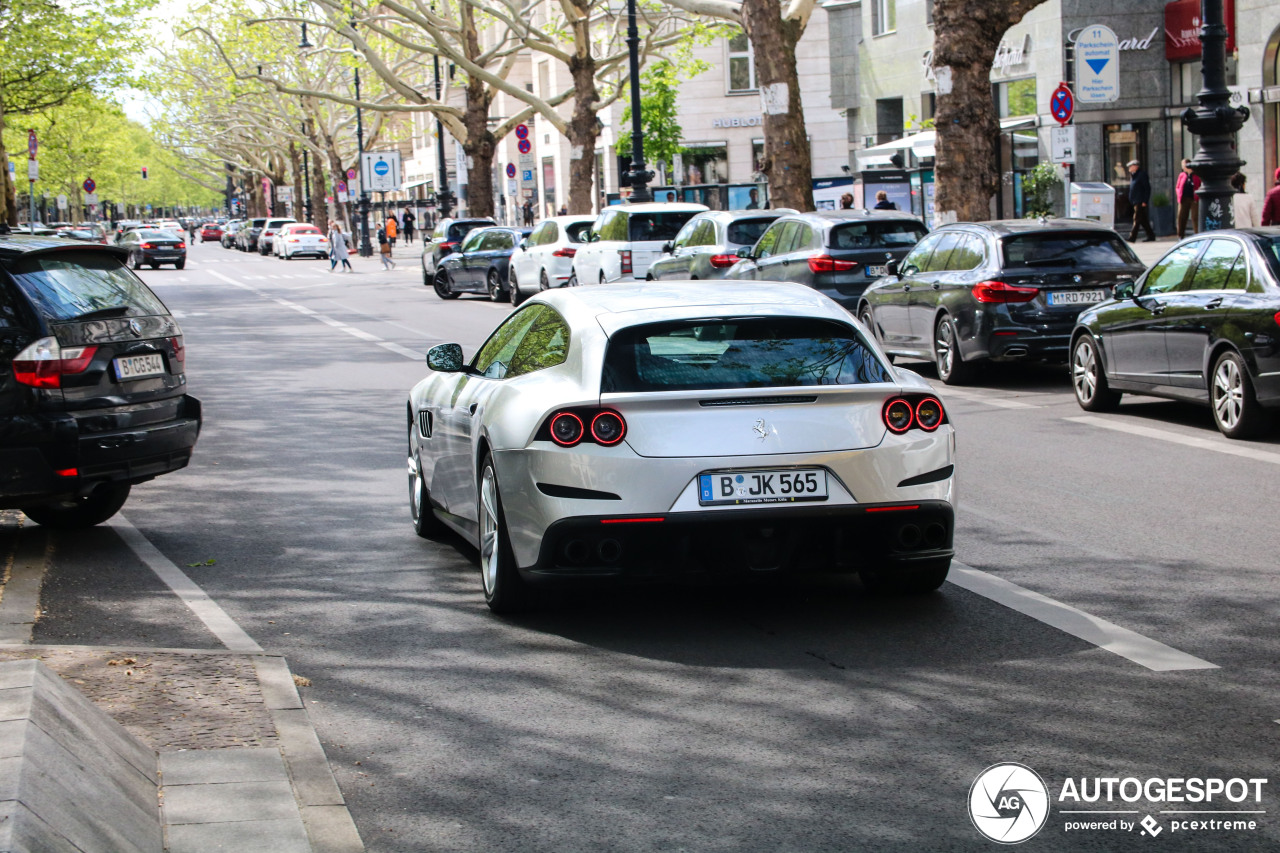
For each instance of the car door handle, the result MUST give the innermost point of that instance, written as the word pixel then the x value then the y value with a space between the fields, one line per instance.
pixel 1156 307
pixel 1214 303
pixel 937 286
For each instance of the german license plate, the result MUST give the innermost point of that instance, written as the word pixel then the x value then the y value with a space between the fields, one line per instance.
pixel 875 272
pixel 1076 297
pixel 139 366
pixel 762 487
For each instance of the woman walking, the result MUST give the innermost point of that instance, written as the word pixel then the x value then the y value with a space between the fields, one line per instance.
pixel 392 230
pixel 384 249
pixel 338 250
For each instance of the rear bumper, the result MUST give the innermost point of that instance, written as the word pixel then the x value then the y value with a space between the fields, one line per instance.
pixel 885 537
pixel 29 467
pixel 999 337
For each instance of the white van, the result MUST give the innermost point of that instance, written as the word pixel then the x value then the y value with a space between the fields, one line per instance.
pixel 627 238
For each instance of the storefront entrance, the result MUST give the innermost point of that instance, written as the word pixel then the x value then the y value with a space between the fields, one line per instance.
pixel 1271 109
pixel 1122 143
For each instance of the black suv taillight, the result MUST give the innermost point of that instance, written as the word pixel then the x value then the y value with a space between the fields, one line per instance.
pixel 913 411
pixel 569 427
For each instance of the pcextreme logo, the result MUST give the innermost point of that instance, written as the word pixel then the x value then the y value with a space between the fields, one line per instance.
pixel 1009 803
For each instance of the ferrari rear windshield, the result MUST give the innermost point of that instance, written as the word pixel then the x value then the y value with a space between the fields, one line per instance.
pixel 751 352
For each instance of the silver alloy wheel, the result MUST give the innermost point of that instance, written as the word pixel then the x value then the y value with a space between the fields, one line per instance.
pixel 544 283
pixel 1084 370
pixel 1228 393
pixel 945 348
pixel 415 489
pixel 489 550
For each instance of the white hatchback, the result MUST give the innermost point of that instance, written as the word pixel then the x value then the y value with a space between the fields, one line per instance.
pixel 545 258
pixel 627 238
pixel 300 239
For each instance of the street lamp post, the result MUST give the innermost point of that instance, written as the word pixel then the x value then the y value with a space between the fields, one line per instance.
pixel 366 248
pixel 443 196
pixel 306 169
pixel 639 177
pixel 1215 122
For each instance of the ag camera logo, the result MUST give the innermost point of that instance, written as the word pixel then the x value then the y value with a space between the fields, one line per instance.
pixel 1008 803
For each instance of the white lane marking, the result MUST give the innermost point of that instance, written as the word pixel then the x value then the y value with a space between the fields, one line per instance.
pixel 329 321
pixel 1218 445
pixel 404 351
pixel 1141 650
pixel 998 402
pixel 205 608
pixel 361 334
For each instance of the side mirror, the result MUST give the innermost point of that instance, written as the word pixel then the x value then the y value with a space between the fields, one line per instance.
pixel 1124 289
pixel 445 358
pixel 891 267
pixel 524 243
pixel 667 248
pixel 744 252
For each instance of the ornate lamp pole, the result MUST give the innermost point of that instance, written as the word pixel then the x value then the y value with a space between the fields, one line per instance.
pixel 443 196
pixel 306 169
pixel 366 248
pixel 639 177
pixel 1215 121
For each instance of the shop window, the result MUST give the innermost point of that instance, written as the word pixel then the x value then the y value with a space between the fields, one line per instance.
pixel 884 17
pixel 1017 97
pixel 706 165
pixel 889 119
pixel 742 64
pixel 757 159
pixel 1124 142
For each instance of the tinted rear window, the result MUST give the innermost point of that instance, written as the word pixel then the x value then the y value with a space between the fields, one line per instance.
pixel 877 235
pixel 1095 249
pixel 755 352
pixel 305 231
pixel 578 233
pixel 648 227
pixel 745 232
pixel 158 235
pixel 1271 248
pixel 65 285
pixel 458 230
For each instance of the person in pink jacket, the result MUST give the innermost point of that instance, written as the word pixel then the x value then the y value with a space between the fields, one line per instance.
pixel 1188 203
pixel 1271 206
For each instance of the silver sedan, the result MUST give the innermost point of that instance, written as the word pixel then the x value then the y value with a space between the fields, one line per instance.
pixel 682 430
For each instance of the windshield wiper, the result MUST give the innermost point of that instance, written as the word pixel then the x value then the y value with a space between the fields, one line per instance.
pixel 102 313
pixel 1058 261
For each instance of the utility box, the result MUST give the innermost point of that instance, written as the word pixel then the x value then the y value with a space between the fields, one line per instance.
pixel 1096 201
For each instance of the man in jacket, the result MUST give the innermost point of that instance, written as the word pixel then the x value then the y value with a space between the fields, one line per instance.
pixel 1188 202
pixel 1140 198
pixel 1271 206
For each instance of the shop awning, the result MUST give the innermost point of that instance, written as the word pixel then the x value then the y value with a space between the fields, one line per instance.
pixel 408 185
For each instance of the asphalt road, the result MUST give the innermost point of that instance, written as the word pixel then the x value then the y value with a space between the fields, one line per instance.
pixel 802 716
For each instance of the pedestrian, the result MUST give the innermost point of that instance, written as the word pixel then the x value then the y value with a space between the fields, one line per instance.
pixel 754 199
pixel 1140 198
pixel 408 220
pixel 384 249
pixel 1242 210
pixel 338 249
pixel 392 230
pixel 671 198
pixel 1188 201
pixel 563 211
pixel 1271 205
pixel 528 212
pixel 846 201
pixel 882 201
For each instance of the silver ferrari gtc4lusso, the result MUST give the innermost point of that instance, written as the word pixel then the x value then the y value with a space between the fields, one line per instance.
pixel 682 430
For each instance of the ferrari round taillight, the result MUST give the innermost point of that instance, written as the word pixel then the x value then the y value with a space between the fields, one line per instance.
pixel 566 429
pixel 608 428
pixel 898 415
pixel 928 414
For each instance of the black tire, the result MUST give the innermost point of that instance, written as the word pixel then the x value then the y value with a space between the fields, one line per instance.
pixel 135 261
pixel 517 296
pixel 444 288
pixel 493 283
pixel 426 279
pixel 180 265
pixel 1089 379
pixel 154 265
pixel 1236 410
pixel 917 580
pixel 868 319
pixel 952 368
pixel 573 280
pixel 544 283
pixel 504 590
pixel 78 513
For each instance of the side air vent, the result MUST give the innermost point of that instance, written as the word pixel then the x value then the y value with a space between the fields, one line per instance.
pixel 757 401
pixel 424 423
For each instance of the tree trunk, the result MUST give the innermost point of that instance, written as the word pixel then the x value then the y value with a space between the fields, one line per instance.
pixel 966 36
pixel 787 161
pixel 319 210
pixel 584 127
pixel 9 198
pixel 295 167
pixel 479 147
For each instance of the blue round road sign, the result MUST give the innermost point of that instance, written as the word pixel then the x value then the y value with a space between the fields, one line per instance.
pixel 511 170
pixel 1062 104
pixel 522 131
pixel 381 167
pixel 89 185
pixel 524 146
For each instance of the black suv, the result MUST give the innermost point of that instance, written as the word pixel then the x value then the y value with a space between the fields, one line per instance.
pixel 92 389
pixel 447 236
pixel 995 291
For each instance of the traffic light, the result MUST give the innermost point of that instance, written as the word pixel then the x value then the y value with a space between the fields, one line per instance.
pixel 144 173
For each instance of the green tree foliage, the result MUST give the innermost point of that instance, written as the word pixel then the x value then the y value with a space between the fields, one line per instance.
pixel 659 86
pixel 1038 186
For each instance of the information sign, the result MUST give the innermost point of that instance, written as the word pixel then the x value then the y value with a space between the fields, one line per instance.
pixel 381 171
pixel 1097 65
pixel 1062 144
